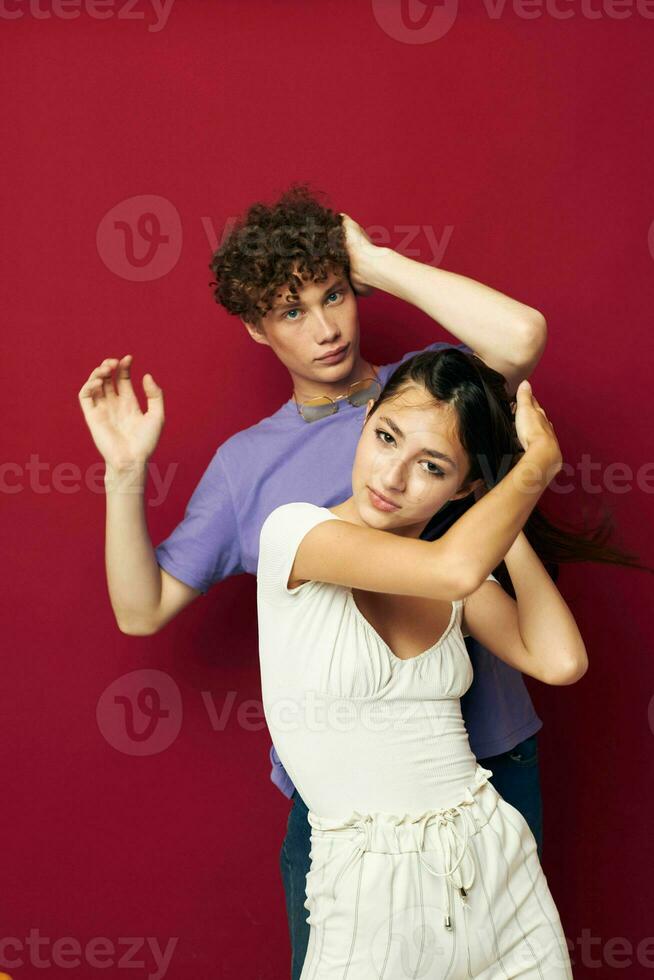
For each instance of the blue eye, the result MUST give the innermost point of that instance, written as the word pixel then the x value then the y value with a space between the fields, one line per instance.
pixel 292 319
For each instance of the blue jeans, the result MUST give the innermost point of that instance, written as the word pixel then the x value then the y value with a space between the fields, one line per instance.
pixel 515 777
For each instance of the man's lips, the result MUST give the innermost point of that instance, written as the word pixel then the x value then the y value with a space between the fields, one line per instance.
pixel 334 353
pixel 381 502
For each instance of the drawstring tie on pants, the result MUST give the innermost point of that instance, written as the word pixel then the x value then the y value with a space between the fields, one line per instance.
pixel 455 873
pixel 459 865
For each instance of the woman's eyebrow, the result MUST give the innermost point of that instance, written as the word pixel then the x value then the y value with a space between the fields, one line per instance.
pixel 428 452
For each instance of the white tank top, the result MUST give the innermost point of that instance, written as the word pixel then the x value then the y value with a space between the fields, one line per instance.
pixel 355 727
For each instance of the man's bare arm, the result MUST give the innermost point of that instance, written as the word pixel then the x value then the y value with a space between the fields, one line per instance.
pixel 508 335
pixel 144 597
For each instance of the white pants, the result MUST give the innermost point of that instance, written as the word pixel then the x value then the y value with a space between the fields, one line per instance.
pixel 457 893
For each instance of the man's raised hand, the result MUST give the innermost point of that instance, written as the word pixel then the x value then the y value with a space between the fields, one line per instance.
pixel 361 251
pixel 123 434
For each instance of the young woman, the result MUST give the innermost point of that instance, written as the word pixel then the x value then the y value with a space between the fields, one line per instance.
pixel 418 867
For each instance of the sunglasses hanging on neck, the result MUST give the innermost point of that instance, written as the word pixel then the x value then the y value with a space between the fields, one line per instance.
pixel 359 393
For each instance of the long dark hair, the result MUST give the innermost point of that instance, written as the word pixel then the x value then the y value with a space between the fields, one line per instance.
pixel 487 432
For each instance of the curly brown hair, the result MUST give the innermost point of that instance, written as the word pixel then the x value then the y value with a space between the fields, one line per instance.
pixel 270 245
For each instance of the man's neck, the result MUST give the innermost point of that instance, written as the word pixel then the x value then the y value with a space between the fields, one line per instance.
pixel 305 388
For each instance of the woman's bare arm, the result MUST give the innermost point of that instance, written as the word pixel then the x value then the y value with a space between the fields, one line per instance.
pixel 536 633
pixel 449 568
pixel 456 564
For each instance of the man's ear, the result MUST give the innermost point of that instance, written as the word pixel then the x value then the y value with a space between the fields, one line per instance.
pixel 477 487
pixel 256 331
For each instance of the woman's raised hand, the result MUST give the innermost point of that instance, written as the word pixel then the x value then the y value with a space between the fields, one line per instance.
pixel 533 428
pixel 124 435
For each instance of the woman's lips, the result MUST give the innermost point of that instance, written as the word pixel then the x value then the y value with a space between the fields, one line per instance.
pixel 337 356
pixel 381 503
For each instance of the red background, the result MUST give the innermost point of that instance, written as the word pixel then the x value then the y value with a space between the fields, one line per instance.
pixel 532 139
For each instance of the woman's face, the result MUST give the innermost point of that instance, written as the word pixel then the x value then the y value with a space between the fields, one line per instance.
pixel 408 463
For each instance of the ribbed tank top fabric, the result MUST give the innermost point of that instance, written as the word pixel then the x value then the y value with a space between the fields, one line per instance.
pixel 356 728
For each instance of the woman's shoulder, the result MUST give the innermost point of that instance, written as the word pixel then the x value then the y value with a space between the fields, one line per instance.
pixel 281 535
pixel 299 507
pixel 286 525
pixel 294 513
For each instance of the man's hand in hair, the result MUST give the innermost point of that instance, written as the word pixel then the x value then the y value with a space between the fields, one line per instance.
pixel 362 253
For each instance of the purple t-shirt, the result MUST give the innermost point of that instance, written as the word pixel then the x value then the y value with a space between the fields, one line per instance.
pixel 283 459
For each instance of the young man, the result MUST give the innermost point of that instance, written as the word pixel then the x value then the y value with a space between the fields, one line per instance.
pixel 292 272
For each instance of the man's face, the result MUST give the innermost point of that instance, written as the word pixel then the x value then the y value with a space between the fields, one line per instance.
pixel 324 321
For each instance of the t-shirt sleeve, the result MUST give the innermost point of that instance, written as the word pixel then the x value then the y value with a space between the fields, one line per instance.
pixel 437 345
pixel 281 535
pixel 205 546
pixel 489 578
